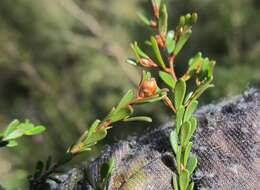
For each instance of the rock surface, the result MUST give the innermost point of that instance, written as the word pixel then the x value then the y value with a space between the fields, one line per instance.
pixel 226 142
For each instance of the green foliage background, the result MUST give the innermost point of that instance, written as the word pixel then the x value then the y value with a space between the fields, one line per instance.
pixel 62 65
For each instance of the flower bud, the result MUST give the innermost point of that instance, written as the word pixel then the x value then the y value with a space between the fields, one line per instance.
pixel 194 17
pixel 160 40
pixel 153 24
pixel 182 21
pixel 147 63
pixel 148 88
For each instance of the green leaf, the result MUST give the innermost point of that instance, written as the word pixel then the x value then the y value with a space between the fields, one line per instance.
pixel 185 133
pixel 157 52
pixel 120 114
pixel 35 130
pixel 163 21
pixel 179 118
pixel 144 19
pixel 151 99
pixel 184 180
pixel 93 127
pixel 170 42
pixel 191 186
pixel 139 118
pixel 38 169
pixel 14 135
pixel 192 164
pixel 106 170
pixel 131 62
pixel 201 89
pixel 192 106
pixel 175 182
pixel 125 101
pixel 174 141
pixel 139 51
pixel 181 42
pixel 178 159
pixel 187 153
pixel 11 127
pixel 167 78
pixel 188 98
pixel 88 138
pixel 98 135
pixel 193 122
pixel 179 92
pixel 12 143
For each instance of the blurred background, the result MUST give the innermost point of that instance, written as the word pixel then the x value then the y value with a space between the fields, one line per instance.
pixel 62 64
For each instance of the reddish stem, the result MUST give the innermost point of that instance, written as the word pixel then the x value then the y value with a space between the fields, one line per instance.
pixel 171 63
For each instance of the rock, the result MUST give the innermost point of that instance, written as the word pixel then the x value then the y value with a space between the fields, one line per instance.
pixel 226 142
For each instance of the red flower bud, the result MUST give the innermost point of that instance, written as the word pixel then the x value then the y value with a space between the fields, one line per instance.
pixel 148 88
pixel 160 40
pixel 147 63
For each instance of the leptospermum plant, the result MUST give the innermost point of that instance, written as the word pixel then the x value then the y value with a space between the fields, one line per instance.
pixel 147 92
pixel 166 44
pixel 16 130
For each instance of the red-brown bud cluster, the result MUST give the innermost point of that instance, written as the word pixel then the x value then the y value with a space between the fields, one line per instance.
pixel 160 41
pixel 147 63
pixel 148 88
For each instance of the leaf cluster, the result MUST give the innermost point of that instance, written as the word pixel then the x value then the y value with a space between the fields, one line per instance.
pixel 16 130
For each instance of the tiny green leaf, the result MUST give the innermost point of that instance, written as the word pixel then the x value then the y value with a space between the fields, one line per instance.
pixel 11 127
pixel 167 78
pixel 179 92
pixel 98 135
pixel 192 163
pixel 120 114
pixel 193 122
pixel 140 52
pixel 157 52
pixel 106 170
pixel 12 143
pixel 178 159
pixel 163 21
pixel 144 19
pixel 14 135
pixel 187 98
pixel 191 186
pixel 179 118
pixel 181 42
pixel 139 118
pixel 202 88
pixel 93 127
pixel 131 62
pixel 187 153
pixel 175 182
pixel 185 131
pixel 35 130
pixel 125 101
pixel 174 141
pixel 192 106
pixel 38 169
pixel 170 42
pixel 184 180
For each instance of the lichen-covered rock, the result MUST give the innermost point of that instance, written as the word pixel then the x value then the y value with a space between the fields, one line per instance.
pixel 227 144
